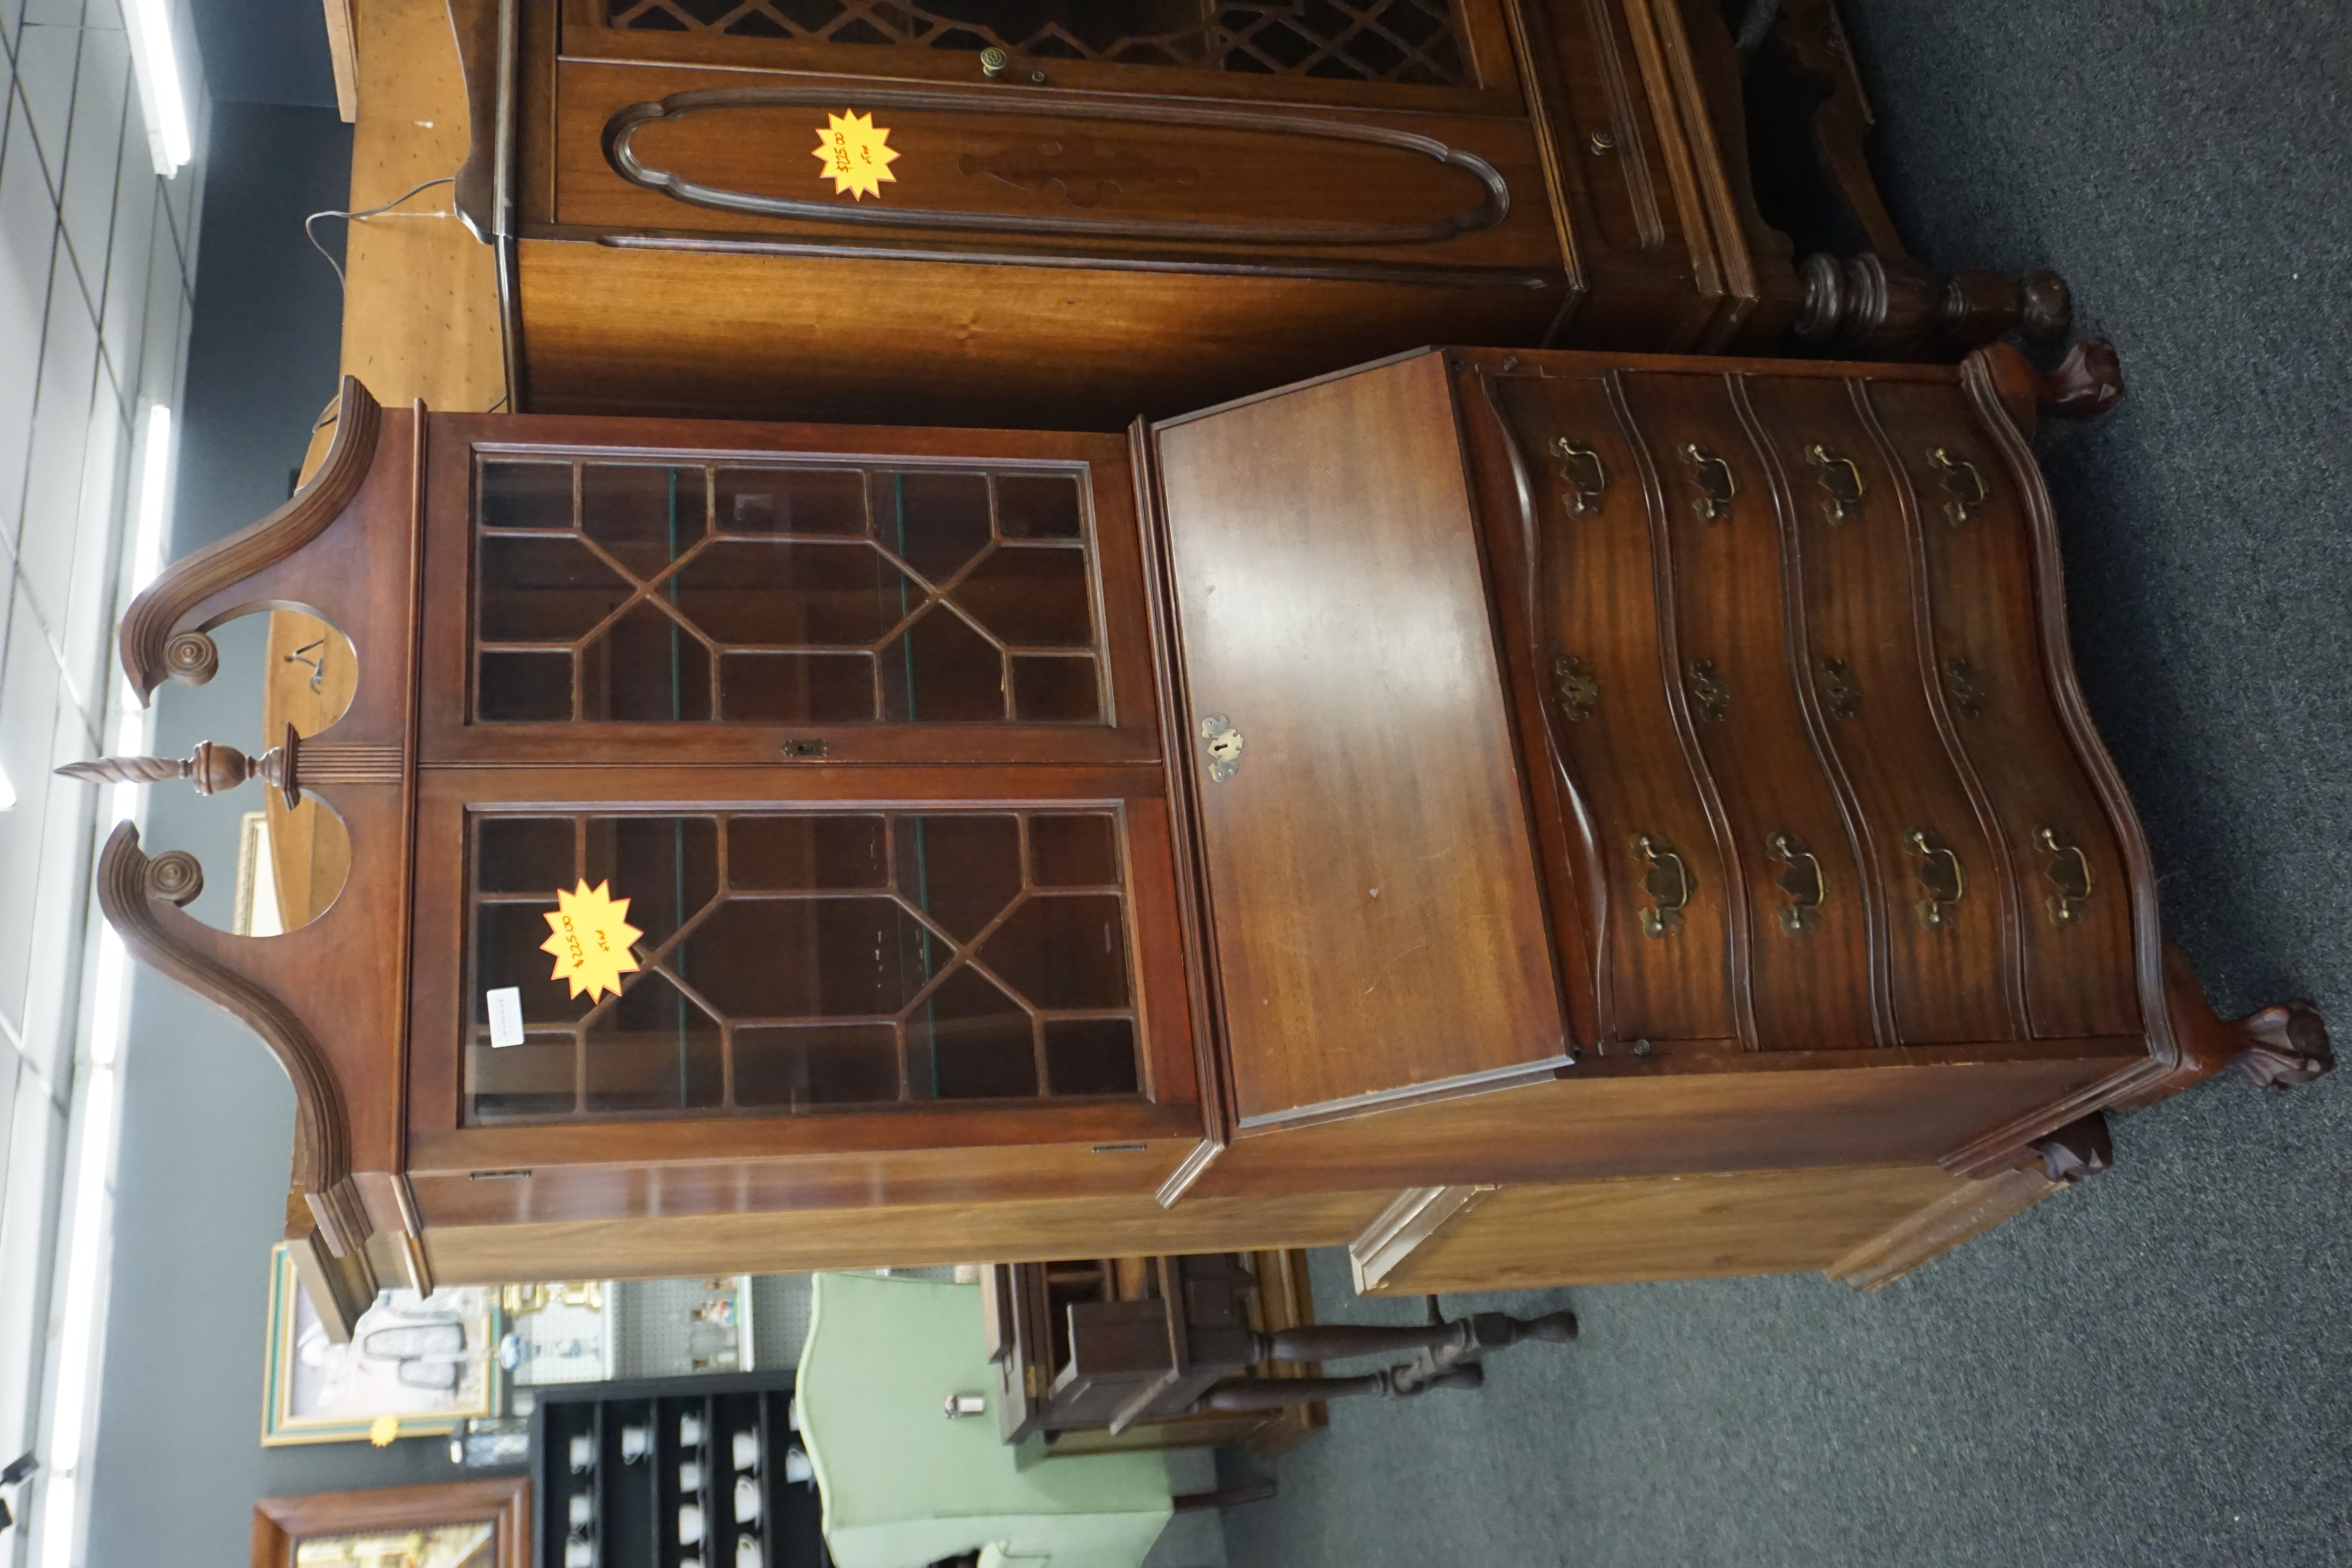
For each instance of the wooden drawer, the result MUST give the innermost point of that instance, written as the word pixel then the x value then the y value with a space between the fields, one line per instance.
pixel 1807 948
pixel 1646 841
pixel 1947 895
pixel 1991 654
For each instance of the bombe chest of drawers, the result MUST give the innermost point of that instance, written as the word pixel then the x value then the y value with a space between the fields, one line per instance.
pixel 1545 816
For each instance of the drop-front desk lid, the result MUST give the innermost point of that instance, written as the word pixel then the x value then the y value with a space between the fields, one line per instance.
pixel 1373 904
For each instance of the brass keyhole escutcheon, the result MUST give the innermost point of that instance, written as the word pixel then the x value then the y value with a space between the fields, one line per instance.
pixel 1963 484
pixel 1842 478
pixel 1801 878
pixel 1576 687
pixel 1709 695
pixel 1940 879
pixel 1667 882
pixel 1222 745
pixel 2070 868
pixel 1716 485
pixel 1587 479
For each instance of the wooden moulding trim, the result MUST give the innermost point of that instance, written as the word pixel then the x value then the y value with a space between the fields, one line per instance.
pixel 1203 979
pixel 1977 376
pixel 1194 1166
pixel 1492 209
pixel 129 889
pixel 1578 813
pixel 1398 1230
pixel 2005 1145
pixel 280 1523
pixel 1337 272
pixel 154 644
pixel 1517 1075
pixel 1927 1235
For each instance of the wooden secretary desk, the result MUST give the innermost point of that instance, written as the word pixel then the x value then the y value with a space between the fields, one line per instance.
pixel 1087 209
pixel 1587 775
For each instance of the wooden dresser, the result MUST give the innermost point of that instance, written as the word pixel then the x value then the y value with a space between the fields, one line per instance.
pixel 1082 212
pixel 1605 779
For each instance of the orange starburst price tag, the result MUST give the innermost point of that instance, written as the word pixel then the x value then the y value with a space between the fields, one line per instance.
pixel 855 153
pixel 591 940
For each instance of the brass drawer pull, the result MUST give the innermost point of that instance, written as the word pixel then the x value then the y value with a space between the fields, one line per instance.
pixel 1960 683
pixel 1587 479
pixel 1842 478
pixel 1965 485
pixel 1707 691
pixel 1840 693
pixel 1223 743
pixel 1666 880
pixel 2071 870
pixel 1575 686
pixel 1801 878
pixel 1940 878
pixel 1716 487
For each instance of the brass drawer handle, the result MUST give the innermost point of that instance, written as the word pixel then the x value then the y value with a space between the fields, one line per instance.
pixel 1666 880
pixel 993 62
pixel 1223 743
pixel 1587 479
pixel 1840 693
pixel 2071 870
pixel 1842 478
pixel 1940 878
pixel 1965 485
pixel 1960 683
pixel 1806 884
pixel 1707 691
pixel 1576 687
pixel 1716 485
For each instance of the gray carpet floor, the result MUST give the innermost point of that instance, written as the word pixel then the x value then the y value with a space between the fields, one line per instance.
pixel 2151 1369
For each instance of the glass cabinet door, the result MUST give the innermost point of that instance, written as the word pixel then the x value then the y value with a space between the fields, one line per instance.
pixel 797 961
pixel 619 604
pixel 1178 47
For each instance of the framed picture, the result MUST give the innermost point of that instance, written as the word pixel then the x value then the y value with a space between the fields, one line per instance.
pixel 454 1524
pixel 426 1362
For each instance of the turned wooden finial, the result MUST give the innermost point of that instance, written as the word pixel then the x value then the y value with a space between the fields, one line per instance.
pixel 211 768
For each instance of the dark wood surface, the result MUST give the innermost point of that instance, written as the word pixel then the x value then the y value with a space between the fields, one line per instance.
pixel 1372 883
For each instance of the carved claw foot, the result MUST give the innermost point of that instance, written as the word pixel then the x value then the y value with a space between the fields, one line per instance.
pixel 2276 1047
pixel 1890 307
pixel 2076 1151
pixel 2286 1045
pixel 2088 382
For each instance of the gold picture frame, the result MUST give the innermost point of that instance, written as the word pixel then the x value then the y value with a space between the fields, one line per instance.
pixel 428 1363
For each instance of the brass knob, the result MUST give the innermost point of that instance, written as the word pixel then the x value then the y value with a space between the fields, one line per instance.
pixel 993 62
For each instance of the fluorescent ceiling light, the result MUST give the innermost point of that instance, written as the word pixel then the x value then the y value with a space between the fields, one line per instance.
pixel 157 62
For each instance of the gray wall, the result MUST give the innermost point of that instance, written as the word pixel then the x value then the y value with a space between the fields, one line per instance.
pixel 208 1116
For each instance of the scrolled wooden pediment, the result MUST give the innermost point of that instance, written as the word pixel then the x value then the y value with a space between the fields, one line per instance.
pixel 140 897
pixel 162 635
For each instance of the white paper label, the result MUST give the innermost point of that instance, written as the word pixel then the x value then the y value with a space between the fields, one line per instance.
pixel 506 1015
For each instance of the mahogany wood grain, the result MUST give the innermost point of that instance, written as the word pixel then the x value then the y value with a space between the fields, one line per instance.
pixel 976 340
pixel 1913 1240
pixel 1590 583
pixel 925 1235
pixel 1663 1228
pixel 1981 596
pixel 1086 171
pixel 1810 984
pixel 1865 656
pixel 1377 924
pixel 1757 1111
